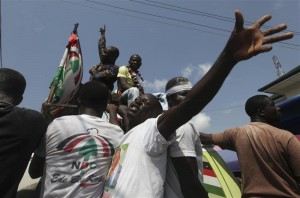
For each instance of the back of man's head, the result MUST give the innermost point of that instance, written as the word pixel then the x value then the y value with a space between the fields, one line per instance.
pixel 181 82
pixel 94 94
pixel 254 103
pixel 12 85
pixel 114 53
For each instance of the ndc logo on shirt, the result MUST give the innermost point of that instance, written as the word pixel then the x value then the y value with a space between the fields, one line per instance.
pixel 89 148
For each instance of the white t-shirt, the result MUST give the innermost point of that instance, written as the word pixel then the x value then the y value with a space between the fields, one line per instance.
pixel 79 150
pixel 139 165
pixel 187 144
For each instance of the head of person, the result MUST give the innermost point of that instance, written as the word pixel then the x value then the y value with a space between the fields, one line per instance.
pixel 109 55
pixel 142 108
pixel 135 62
pixel 176 90
pixel 261 108
pixel 12 86
pixel 93 95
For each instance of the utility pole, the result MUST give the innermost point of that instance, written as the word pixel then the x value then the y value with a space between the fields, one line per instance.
pixel 278 66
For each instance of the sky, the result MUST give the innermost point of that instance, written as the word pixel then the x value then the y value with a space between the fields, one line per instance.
pixel 174 38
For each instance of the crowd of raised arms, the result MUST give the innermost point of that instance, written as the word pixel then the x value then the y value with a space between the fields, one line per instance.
pixel 124 145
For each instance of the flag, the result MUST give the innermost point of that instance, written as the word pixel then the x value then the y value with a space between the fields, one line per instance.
pixel 67 79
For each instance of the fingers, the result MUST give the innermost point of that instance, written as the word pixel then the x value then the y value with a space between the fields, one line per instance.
pixel 281 37
pixel 274 30
pixel 239 20
pixel 262 21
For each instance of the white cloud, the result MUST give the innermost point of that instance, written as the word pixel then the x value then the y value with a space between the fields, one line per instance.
pixel 201 121
pixel 156 86
pixel 187 71
pixel 203 68
pixel 194 73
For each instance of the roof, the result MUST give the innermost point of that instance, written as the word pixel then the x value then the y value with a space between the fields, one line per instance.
pixel 285 86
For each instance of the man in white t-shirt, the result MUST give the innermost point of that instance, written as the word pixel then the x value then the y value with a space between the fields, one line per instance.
pixel 78 148
pixel 184 170
pixel 139 165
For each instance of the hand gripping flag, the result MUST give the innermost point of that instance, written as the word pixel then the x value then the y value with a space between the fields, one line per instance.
pixel 67 79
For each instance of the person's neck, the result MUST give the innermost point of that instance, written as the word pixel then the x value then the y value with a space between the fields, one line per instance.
pixel 91 112
pixel 134 70
pixel 259 119
pixel 133 123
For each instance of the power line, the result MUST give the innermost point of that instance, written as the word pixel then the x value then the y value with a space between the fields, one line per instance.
pixel 146 19
pixel 178 20
pixel 199 13
pixel 149 14
pixel 184 11
pixel 191 11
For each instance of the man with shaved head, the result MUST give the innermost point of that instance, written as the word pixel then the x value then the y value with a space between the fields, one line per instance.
pixel 21 130
pixel 141 165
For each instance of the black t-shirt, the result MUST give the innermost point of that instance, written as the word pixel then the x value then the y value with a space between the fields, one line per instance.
pixel 21 130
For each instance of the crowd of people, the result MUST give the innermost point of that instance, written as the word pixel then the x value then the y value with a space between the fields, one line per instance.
pixel 125 145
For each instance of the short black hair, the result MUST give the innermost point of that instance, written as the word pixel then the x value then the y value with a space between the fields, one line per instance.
pixel 179 80
pixel 135 55
pixel 94 94
pixel 114 52
pixel 254 103
pixel 12 82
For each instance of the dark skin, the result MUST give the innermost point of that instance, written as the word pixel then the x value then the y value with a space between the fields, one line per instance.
pixel 134 63
pixel 270 114
pixel 186 167
pixel 243 44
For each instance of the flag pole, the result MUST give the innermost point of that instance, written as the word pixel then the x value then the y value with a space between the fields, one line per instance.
pixel 59 72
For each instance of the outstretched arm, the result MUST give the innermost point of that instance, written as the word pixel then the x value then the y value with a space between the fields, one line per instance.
pixel 242 45
pixel 206 139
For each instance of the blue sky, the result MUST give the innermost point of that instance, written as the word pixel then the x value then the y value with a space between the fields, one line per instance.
pixel 174 38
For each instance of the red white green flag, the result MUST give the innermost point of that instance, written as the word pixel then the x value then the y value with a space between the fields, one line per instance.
pixel 67 79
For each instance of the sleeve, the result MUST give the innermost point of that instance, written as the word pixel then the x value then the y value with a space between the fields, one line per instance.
pixel 225 139
pixel 122 72
pixel 184 145
pixel 294 155
pixel 40 150
pixel 155 144
pixel 106 71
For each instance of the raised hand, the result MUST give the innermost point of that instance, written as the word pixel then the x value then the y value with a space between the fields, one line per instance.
pixel 245 43
pixel 102 30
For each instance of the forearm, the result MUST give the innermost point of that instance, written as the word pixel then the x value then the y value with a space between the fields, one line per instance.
pixel 123 84
pixel 36 166
pixel 205 89
pixel 199 96
pixel 206 139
